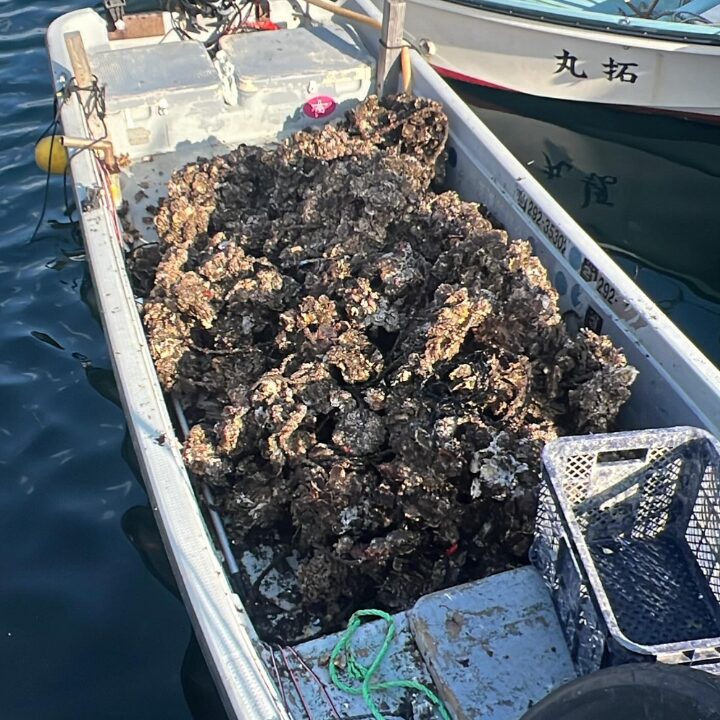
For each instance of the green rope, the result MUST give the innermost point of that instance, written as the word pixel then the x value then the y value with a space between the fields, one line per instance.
pixel 364 673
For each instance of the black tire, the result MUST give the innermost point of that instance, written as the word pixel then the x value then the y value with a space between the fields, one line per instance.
pixel 634 692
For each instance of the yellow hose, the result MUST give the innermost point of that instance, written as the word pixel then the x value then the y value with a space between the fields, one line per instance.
pixel 366 20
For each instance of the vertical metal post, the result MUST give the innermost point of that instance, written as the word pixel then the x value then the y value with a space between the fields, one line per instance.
pixel 391 41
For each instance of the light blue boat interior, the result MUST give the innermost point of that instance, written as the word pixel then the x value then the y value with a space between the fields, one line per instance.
pixel 695 21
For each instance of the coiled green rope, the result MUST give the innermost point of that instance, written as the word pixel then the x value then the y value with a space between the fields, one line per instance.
pixel 364 673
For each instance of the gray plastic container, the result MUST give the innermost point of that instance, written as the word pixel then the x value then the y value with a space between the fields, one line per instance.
pixel 628 541
pixel 335 71
pixel 157 96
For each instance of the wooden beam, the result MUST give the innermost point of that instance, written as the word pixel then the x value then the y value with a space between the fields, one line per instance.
pixel 140 25
pixel 391 44
pixel 78 58
pixel 344 12
pixel 84 78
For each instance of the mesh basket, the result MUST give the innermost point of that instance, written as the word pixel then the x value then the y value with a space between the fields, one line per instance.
pixel 628 541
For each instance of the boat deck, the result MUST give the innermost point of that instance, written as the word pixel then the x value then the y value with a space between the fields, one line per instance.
pixel 491 649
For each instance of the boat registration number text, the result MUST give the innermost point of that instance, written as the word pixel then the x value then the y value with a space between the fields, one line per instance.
pixel 590 273
pixel 611 296
pixel 543 222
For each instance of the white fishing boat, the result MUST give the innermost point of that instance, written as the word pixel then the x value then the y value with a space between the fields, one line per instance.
pixel 141 100
pixel 650 56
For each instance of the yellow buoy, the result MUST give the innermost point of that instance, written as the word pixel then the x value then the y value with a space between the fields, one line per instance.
pixel 115 190
pixel 51 155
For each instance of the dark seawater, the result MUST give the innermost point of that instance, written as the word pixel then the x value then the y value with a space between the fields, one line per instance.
pixel 90 622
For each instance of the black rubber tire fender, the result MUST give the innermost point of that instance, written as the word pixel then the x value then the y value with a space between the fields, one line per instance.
pixel 639 691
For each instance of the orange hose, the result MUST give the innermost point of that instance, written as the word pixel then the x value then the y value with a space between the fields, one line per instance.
pixel 366 20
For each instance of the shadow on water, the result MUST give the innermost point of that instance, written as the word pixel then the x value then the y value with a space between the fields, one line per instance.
pixel 685 142
pixel 644 186
pixel 202 698
pixel 138 523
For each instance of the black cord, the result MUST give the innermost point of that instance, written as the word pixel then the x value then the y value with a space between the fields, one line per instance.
pixel 46 193
pixel 394 47
pixel 174 23
pixel 61 95
pixel 220 14
pixel 69 208
pixel 94 104
pixel 57 106
pixel 26 135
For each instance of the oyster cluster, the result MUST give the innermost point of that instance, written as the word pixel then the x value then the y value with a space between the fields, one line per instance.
pixel 369 367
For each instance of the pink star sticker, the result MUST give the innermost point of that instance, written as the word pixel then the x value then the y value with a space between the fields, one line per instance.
pixel 319 107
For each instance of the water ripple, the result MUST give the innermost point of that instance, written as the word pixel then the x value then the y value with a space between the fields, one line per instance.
pixel 86 630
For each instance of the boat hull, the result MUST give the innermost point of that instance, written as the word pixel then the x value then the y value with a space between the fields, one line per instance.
pixel 565 62
pixel 676 385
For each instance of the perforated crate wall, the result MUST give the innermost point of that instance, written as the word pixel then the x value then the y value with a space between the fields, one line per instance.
pixel 628 541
